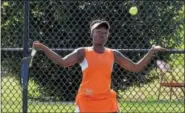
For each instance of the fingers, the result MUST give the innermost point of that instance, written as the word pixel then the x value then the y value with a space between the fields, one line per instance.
pixel 159 48
pixel 36 42
pixel 36 45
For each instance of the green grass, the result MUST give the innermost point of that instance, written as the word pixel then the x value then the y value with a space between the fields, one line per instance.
pixel 135 99
pixel 16 106
pixel 153 106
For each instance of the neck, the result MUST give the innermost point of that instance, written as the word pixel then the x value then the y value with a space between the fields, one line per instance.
pixel 99 48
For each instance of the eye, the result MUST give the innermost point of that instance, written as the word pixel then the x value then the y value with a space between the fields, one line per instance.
pixel 99 32
pixel 104 32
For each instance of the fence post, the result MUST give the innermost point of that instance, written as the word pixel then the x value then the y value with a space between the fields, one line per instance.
pixel 25 54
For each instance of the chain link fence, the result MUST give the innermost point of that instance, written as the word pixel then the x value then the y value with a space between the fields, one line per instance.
pixel 64 26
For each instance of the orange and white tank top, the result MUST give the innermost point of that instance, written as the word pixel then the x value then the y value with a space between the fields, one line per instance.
pixel 96 69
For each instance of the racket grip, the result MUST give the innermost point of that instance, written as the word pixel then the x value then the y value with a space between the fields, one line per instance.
pixel 31 57
pixel 33 52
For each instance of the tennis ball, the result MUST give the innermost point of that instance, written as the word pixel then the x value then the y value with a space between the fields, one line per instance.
pixel 133 10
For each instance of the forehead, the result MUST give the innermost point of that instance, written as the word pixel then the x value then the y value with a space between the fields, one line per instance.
pixel 101 29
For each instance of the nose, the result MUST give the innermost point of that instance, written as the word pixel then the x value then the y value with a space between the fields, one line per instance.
pixel 103 37
pixel 104 34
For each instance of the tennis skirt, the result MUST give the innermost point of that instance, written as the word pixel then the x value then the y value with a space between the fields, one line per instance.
pixel 102 103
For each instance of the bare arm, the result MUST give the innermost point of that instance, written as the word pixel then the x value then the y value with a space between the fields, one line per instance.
pixel 128 64
pixel 75 57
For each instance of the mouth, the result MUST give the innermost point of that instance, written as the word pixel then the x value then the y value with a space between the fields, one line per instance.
pixel 102 40
pixel 102 37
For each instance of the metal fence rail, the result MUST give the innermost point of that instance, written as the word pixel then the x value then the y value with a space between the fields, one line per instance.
pixel 71 49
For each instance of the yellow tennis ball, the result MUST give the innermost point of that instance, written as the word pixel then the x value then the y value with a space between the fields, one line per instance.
pixel 133 10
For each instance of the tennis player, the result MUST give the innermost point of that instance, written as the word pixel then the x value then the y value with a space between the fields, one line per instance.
pixel 95 94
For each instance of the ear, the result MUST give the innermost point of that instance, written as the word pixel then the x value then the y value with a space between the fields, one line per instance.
pixel 108 34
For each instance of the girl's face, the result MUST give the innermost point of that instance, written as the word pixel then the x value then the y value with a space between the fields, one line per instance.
pixel 100 35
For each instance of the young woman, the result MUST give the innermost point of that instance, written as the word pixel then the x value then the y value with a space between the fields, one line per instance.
pixel 95 94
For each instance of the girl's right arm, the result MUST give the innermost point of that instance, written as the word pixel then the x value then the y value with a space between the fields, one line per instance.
pixel 75 57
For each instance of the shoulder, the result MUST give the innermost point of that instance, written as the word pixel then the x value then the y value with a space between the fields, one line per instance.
pixel 110 52
pixel 117 54
pixel 109 49
pixel 114 51
pixel 81 53
pixel 80 50
pixel 83 49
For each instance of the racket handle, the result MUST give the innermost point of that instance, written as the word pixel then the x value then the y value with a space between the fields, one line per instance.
pixel 33 52
pixel 31 57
